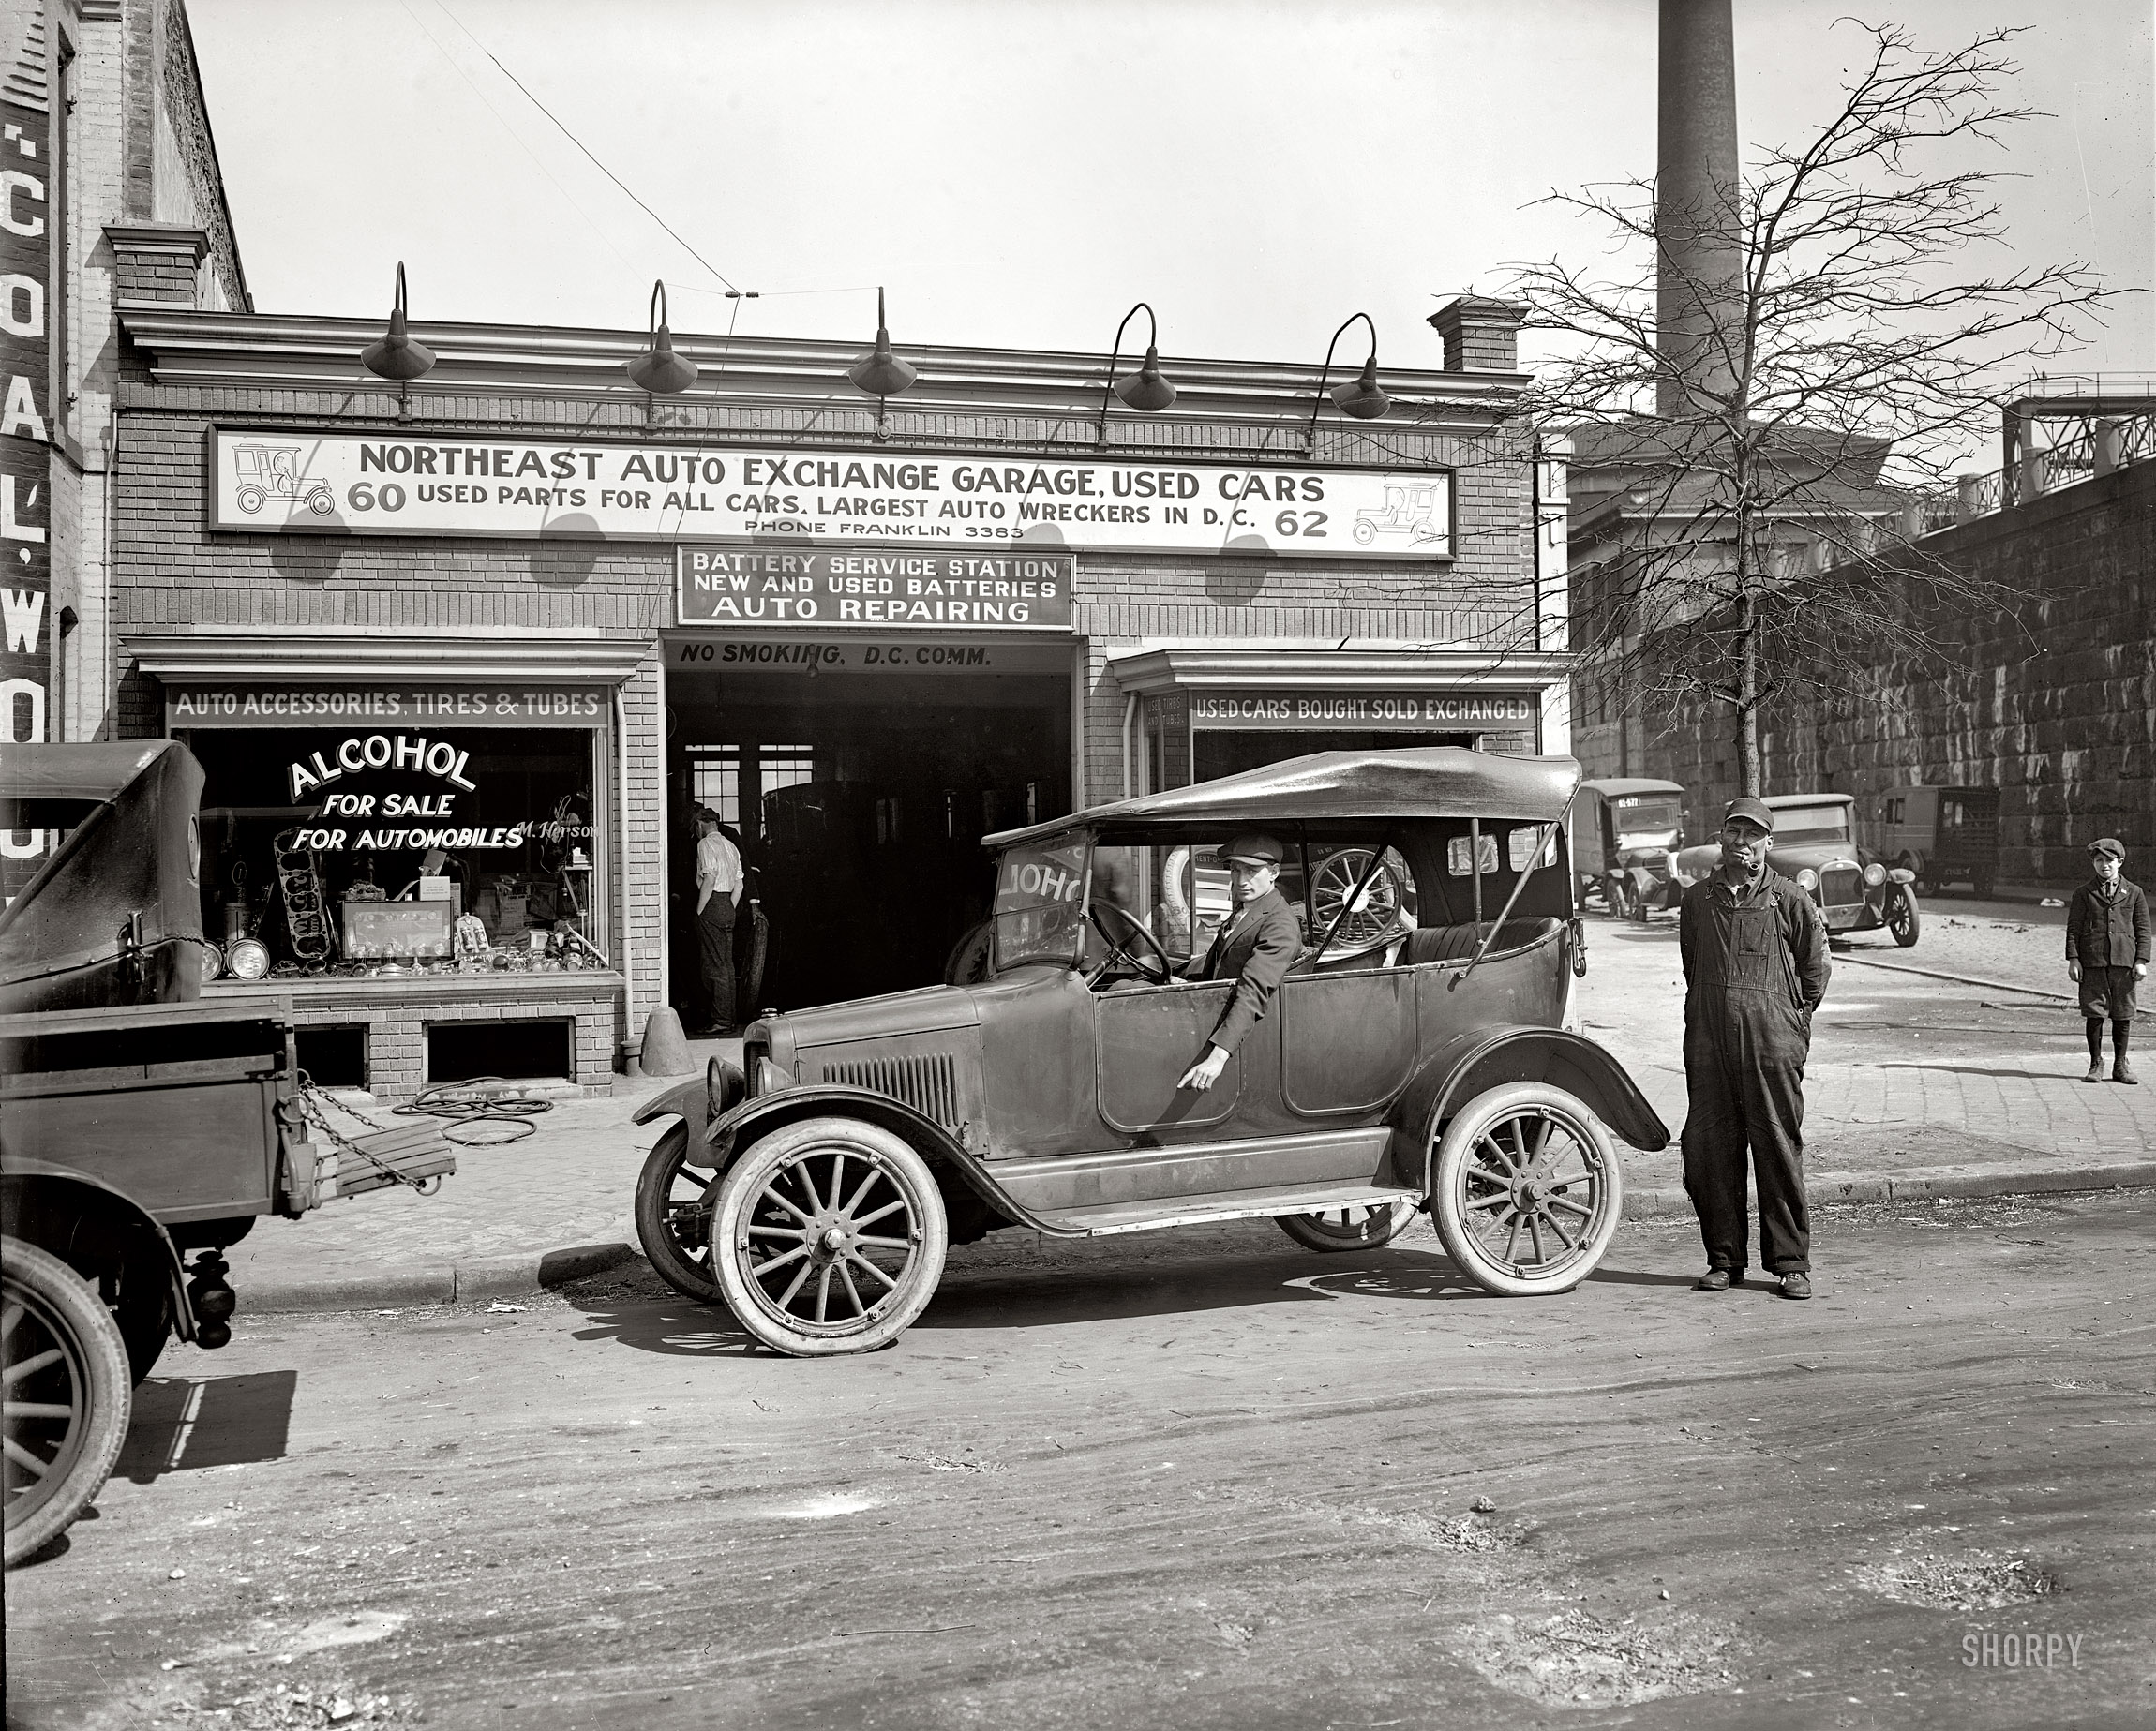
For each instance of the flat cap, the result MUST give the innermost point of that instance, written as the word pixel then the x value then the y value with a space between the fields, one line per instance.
pixel 1752 811
pixel 1253 850
pixel 2108 844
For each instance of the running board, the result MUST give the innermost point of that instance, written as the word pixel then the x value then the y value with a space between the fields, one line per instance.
pixel 1155 1213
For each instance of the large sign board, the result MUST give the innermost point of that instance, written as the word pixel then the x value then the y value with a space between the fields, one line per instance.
pixel 1375 710
pixel 913 588
pixel 286 480
pixel 383 706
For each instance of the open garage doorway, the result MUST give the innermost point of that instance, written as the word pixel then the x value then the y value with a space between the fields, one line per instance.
pixel 858 780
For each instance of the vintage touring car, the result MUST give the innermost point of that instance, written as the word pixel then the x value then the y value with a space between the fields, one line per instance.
pixel 1418 1056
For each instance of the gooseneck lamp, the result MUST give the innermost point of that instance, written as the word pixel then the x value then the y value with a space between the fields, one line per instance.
pixel 1145 390
pixel 1358 397
pixel 879 372
pixel 659 369
pixel 397 354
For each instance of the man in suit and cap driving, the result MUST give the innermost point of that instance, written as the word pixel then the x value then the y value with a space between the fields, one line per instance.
pixel 1255 947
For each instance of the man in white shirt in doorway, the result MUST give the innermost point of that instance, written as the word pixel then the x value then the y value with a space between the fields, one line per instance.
pixel 719 884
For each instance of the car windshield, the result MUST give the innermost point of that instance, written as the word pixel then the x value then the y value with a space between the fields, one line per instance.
pixel 1647 817
pixel 1812 823
pixel 1038 900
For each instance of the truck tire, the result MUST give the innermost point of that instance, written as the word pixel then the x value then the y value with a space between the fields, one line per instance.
pixel 1526 1167
pixel 68 1395
pixel 828 1237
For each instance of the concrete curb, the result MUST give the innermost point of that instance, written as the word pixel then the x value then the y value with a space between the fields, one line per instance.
pixel 1918 1182
pixel 1967 979
pixel 466 1282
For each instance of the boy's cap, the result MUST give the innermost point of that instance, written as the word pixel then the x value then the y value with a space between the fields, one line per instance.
pixel 2108 844
pixel 1752 811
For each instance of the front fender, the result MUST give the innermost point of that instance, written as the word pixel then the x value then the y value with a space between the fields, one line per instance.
pixel 697 1103
pixel 1485 1058
pixel 28 1182
pixel 756 1117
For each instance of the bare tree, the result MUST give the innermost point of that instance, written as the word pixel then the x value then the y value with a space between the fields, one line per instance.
pixel 1849 346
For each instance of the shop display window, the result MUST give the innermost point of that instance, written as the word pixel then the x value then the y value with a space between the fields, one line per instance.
pixel 399 851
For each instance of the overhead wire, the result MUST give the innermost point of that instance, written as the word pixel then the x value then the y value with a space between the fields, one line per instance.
pixel 563 129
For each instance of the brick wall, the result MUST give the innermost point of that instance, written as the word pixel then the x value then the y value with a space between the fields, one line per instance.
pixel 2052 701
pixel 396 1018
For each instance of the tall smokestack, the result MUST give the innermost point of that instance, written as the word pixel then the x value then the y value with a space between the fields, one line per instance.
pixel 1698 262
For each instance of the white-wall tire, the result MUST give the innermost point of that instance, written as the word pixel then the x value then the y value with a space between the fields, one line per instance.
pixel 1527 1190
pixel 828 1237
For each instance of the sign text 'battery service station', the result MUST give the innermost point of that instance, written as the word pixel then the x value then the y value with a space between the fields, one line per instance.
pixel 762 586
pixel 288 480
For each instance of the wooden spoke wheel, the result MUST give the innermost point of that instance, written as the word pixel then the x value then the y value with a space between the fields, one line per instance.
pixel 674 1214
pixel 1375 913
pixel 1527 1190
pixel 828 1236
pixel 1902 919
pixel 1356 1226
pixel 66 1396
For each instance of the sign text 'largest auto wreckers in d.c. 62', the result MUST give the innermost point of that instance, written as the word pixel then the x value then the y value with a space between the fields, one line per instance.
pixel 287 481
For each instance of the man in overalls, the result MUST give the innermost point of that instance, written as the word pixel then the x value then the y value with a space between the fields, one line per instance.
pixel 1755 952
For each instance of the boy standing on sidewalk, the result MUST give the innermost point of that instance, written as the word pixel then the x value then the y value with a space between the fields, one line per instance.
pixel 2107 948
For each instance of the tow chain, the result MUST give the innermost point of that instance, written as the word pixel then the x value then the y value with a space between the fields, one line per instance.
pixel 314 1105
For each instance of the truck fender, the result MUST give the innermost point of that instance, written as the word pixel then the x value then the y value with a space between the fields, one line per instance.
pixel 1486 1058
pixel 753 1119
pixel 24 1174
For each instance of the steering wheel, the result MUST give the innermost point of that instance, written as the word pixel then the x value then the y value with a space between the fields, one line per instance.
pixel 1156 969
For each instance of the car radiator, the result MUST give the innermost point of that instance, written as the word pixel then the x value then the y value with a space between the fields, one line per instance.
pixel 927 1082
pixel 1841 888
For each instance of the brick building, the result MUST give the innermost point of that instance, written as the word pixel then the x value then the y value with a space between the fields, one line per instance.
pixel 2051 701
pixel 112 197
pixel 527 615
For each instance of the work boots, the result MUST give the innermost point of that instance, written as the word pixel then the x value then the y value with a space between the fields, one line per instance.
pixel 2123 1072
pixel 2095 1070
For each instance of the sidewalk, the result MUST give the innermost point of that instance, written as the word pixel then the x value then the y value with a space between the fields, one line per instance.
pixel 1916 1087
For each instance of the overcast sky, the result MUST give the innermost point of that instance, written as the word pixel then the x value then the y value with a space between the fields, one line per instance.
pixel 1018 173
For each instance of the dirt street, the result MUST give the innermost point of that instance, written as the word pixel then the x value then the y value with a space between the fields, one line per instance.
pixel 1191 1479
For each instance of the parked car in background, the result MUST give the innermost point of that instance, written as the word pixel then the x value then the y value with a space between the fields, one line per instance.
pixel 1624 832
pixel 1814 843
pixel 1945 835
pixel 1420 1055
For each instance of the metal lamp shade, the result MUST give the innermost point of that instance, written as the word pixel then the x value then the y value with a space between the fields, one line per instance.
pixel 1360 396
pixel 1145 389
pixel 659 369
pixel 879 372
pixel 397 354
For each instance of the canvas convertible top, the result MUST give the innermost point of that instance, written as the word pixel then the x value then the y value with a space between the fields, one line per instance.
pixel 84 773
pixel 1439 781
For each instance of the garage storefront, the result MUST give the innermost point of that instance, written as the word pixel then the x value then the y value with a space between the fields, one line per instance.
pixel 1199 711
pixel 425 865
pixel 857 770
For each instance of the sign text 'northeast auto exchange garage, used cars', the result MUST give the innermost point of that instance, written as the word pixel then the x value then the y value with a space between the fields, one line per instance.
pixel 865 635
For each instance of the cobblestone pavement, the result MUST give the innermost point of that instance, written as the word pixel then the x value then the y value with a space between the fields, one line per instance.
pixel 1908 1074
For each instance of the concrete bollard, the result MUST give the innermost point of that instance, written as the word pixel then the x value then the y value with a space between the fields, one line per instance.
pixel 666 1049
